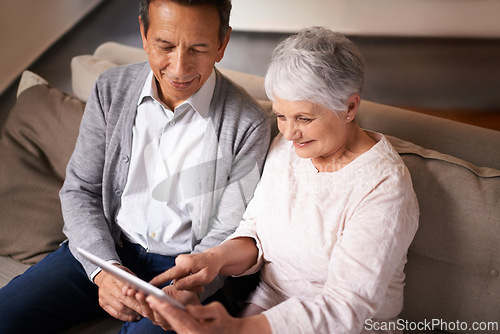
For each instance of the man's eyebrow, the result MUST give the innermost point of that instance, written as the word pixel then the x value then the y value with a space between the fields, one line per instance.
pixel 159 40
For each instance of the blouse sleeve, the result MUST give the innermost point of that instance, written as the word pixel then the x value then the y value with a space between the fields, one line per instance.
pixel 248 228
pixel 371 248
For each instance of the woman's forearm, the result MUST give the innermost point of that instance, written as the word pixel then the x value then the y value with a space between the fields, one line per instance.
pixel 236 255
pixel 256 324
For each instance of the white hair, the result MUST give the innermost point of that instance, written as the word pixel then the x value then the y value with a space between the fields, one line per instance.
pixel 316 65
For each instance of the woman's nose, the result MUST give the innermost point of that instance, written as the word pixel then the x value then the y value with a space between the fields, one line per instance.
pixel 290 131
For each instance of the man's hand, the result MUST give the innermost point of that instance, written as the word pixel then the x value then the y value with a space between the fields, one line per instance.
pixel 112 299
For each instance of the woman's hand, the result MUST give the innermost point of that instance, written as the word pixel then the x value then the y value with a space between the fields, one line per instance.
pixel 210 319
pixel 182 296
pixel 192 271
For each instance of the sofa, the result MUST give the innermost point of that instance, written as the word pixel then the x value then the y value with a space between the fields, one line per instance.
pixel 453 263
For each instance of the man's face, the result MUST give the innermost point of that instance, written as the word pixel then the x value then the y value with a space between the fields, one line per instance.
pixel 183 46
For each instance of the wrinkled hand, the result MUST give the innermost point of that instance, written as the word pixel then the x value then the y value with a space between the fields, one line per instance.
pixel 113 301
pixel 212 318
pixel 191 271
pixel 183 296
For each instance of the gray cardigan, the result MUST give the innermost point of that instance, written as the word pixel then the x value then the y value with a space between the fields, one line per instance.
pixel 96 174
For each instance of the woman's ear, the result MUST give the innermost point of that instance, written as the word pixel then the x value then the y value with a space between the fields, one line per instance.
pixel 352 106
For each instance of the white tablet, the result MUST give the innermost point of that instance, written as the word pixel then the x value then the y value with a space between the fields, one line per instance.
pixel 133 281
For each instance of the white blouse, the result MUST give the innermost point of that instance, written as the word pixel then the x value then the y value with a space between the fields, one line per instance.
pixel 332 246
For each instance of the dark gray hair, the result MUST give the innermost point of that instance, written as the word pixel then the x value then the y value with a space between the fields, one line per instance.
pixel 316 65
pixel 223 7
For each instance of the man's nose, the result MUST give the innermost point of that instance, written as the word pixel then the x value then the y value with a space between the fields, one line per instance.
pixel 180 64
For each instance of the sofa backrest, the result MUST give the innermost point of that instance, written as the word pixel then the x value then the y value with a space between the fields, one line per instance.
pixel 471 143
pixel 474 144
pixel 452 270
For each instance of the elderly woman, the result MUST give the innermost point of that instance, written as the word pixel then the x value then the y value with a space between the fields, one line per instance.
pixel 331 220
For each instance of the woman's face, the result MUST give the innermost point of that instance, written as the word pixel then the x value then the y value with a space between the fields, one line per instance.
pixel 315 131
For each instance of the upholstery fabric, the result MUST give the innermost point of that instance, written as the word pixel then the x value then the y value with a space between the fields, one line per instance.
pixel 37 141
pixel 452 262
pixel 120 54
pixel 85 70
pixel 467 142
pixel 10 269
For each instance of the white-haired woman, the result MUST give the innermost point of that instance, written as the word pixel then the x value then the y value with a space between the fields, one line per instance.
pixel 331 220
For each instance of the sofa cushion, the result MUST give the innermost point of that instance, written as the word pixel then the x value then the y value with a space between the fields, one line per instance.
pixel 9 269
pixel 84 72
pixel 453 262
pixel 120 54
pixel 37 141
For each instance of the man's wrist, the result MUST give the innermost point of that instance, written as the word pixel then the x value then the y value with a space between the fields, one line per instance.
pixel 98 270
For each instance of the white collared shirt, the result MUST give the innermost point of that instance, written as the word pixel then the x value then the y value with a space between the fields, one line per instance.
pixel 164 144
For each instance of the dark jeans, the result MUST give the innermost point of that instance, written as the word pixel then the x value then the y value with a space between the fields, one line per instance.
pixel 56 293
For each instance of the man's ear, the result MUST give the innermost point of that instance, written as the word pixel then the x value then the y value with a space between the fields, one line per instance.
pixel 143 36
pixel 223 46
pixel 352 106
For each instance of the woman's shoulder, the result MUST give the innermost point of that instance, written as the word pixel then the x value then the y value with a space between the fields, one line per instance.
pixel 382 160
pixel 383 151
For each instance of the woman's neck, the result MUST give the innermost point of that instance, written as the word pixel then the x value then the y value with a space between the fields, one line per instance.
pixel 357 143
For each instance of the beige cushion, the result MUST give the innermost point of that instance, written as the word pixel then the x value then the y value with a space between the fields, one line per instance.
pixel 37 141
pixel 453 262
pixel 253 84
pixel 9 269
pixel 120 54
pixel 29 79
pixel 84 72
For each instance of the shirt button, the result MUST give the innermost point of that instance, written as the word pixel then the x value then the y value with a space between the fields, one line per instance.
pixel 125 159
pixel 152 235
pixel 493 273
pixel 172 122
pixel 118 192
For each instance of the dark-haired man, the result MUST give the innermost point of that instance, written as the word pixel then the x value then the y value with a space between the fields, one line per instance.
pixel 168 155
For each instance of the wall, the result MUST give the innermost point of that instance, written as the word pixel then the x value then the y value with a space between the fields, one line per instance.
pixel 30 27
pixel 416 18
pixel 428 55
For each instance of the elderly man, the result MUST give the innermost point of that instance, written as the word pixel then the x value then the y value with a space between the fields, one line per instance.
pixel 168 155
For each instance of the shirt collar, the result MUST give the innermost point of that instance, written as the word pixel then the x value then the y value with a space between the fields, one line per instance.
pixel 199 101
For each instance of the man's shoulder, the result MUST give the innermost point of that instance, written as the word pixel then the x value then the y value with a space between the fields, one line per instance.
pixel 239 100
pixel 120 81
pixel 124 74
